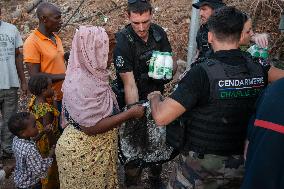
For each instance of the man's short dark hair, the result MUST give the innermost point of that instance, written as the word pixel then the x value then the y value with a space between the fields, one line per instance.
pixel 227 23
pixel 17 123
pixel 43 7
pixel 139 7
pixel 37 83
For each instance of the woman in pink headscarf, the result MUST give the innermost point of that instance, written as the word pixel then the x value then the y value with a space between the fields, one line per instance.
pixel 86 152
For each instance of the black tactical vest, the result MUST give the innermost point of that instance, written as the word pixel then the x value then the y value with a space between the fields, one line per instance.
pixel 142 55
pixel 219 127
pixel 202 42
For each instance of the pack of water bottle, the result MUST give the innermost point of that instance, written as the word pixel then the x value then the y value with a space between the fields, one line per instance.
pixel 161 65
pixel 258 52
pixel 261 54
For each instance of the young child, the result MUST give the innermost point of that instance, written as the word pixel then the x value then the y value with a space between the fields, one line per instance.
pixel 30 165
pixel 46 115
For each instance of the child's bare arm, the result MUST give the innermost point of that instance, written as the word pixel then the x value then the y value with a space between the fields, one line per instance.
pixel 47 121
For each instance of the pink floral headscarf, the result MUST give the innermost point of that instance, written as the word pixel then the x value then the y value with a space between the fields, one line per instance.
pixel 87 96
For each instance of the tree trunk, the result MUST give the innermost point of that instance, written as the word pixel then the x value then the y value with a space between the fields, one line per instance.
pixel 26 9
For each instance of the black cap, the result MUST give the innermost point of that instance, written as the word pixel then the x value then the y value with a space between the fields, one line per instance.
pixel 215 4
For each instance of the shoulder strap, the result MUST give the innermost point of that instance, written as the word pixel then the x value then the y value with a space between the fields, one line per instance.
pixel 213 68
pixel 156 32
pixel 125 31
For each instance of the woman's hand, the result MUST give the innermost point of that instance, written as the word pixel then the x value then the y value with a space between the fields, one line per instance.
pixel 137 111
pixel 154 94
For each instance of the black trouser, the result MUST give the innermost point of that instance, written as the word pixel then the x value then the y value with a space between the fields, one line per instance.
pixel 133 171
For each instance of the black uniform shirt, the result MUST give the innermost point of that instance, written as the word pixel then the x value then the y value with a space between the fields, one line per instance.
pixel 124 56
pixel 194 88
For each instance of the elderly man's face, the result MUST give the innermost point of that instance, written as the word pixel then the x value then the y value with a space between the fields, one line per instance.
pixel 205 12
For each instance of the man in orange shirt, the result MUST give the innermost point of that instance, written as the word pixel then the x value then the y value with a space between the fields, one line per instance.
pixel 43 50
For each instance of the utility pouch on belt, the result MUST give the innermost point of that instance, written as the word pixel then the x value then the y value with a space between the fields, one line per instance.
pixel 175 134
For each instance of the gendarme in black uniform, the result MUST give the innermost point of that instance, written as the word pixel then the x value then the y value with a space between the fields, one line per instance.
pixel 133 54
pixel 203 46
pixel 219 97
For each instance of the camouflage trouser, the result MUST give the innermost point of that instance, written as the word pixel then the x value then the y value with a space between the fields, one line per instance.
pixel 133 172
pixel 196 171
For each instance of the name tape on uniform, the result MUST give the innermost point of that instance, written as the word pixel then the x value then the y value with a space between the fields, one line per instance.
pixel 239 88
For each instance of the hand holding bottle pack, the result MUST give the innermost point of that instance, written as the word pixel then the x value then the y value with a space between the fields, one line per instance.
pixel 161 65
pixel 258 52
pixel 261 54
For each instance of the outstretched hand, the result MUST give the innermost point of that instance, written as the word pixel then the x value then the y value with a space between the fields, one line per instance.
pixel 153 94
pixel 137 111
pixel 260 39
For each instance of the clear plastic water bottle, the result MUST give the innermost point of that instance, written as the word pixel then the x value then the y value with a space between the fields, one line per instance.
pixel 168 66
pixel 264 53
pixel 261 54
pixel 159 66
pixel 151 64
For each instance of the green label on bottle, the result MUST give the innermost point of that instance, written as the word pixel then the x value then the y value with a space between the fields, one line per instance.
pixel 160 71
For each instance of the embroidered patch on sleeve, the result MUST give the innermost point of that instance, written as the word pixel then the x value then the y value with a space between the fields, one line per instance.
pixel 119 61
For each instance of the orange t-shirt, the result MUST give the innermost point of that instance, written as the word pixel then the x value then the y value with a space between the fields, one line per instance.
pixel 38 49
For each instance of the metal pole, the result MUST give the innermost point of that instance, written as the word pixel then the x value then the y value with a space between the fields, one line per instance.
pixel 194 26
pixel 281 25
